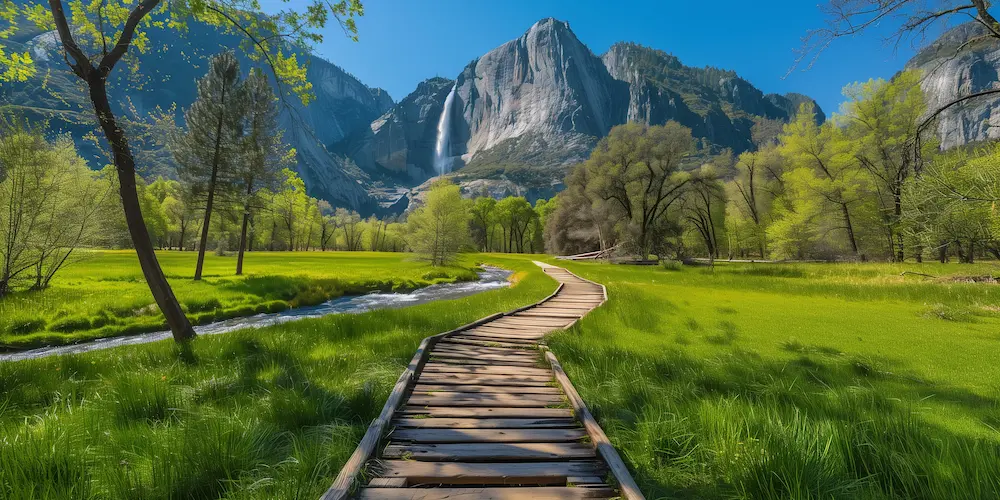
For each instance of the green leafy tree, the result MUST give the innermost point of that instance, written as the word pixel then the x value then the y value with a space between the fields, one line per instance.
pixel 95 36
pixel 484 222
pixel 439 228
pixel 881 119
pixel 636 171
pixel 49 205
pixel 821 165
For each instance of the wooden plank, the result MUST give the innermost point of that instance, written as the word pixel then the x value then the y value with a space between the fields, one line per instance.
pixel 480 412
pixel 541 473
pixel 384 482
pixel 492 351
pixel 489 452
pixel 484 380
pixel 508 331
pixel 471 361
pixel 486 423
pixel 459 343
pixel 484 399
pixel 542 389
pixel 548 314
pixel 488 435
pixel 488 356
pixel 433 367
pixel 602 444
pixel 536 493
pixel 500 338
pixel 490 343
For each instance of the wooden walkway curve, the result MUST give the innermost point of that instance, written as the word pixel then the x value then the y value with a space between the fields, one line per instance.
pixel 485 411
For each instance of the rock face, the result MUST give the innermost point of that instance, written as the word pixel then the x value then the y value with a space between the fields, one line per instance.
pixel 545 83
pixel 528 109
pixel 342 105
pixel 400 143
pixel 952 68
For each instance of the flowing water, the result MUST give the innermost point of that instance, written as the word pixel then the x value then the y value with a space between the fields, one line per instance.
pixel 490 278
pixel 442 149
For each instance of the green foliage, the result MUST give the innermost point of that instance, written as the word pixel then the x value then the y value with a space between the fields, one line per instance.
pixel 439 228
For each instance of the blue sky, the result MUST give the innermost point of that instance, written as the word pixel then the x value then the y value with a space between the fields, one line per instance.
pixel 403 42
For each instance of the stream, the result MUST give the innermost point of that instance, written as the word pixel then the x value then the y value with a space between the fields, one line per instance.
pixel 490 278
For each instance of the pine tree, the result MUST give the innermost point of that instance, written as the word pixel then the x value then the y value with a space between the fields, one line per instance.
pixel 206 154
pixel 264 153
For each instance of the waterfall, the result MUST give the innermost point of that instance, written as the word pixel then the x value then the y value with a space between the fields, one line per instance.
pixel 442 150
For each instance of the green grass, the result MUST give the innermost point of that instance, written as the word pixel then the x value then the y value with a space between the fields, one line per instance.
pixel 804 381
pixel 268 413
pixel 103 294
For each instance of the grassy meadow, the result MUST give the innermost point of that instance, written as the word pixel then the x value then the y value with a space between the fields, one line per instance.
pixel 103 294
pixel 795 381
pixel 268 413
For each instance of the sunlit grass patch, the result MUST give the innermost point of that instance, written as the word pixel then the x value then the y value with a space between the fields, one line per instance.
pixel 823 381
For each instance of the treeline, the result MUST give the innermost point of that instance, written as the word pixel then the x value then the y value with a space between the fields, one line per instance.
pixel 864 185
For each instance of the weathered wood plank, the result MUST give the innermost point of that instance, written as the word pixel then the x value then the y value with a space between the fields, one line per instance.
pixel 501 389
pixel 484 399
pixel 466 360
pixel 433 367
pixel 488 435
pixel 489 351
pixel 536 493
pixel 498 380
pixel 489 452
pixel 486 423
pixel 488 355
pixel 481 412
pixel 385 482
pixel 540 473
pixel 490 343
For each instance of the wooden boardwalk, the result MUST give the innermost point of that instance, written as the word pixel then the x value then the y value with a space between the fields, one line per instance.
pixel 485 411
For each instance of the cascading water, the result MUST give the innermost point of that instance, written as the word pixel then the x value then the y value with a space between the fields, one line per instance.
pixel 442 150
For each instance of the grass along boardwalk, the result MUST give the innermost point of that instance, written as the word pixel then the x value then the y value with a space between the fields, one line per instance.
pixel 485 411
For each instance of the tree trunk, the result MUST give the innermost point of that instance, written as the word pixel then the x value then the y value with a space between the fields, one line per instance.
pixel 943 253
pixel 125 165
pixel 211 194
pixel 243 231
pixel 972 251
pixel 850 228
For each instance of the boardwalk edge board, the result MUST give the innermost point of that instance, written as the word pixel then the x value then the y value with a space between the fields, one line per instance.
pixel 487 416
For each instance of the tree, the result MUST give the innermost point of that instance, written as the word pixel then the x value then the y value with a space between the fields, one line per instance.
pixel 206 153
pixel 439 228
pixel 821 165
pixel 264 153
pixel 581 222
pixel 328 225
pixel 350 222
pixel 704 206
pixel 266 39
pixel 753 189
pixel 49 203
pixel 514 216
pixel 636 171
pixel 882 119
pixel 483 222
